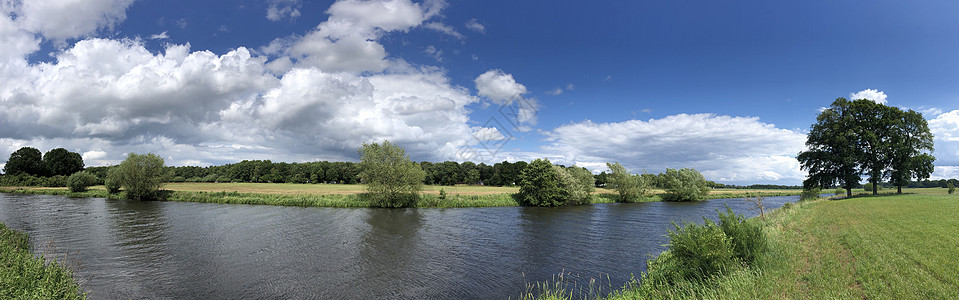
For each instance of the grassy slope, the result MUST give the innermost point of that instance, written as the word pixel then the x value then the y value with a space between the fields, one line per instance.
pixel 887 247
pixel 24 276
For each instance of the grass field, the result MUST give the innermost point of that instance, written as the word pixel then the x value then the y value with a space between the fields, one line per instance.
pixel 869 247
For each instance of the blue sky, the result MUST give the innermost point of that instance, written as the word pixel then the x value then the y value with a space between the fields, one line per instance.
pixel 726 87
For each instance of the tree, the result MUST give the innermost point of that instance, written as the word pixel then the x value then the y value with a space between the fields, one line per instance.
pixel 831 155
pixel 142 176
pixel 80 181
pixel 113 181
pixel 631 187
pixel 542 185
pixel 862 137
pixel 473 177
pixel 392 179
pixel 59 161
pixel 684 185
pixel 910 147
pixel 581 185
pixel 26 160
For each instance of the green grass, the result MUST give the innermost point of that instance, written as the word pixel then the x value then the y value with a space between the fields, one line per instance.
pixel 868 247
pixel 25 276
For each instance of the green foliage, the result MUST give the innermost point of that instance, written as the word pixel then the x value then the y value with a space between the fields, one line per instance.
pixel 80 181
pixel 580 183
pixel 113 182
pixel 862 137
pixel 631 187
pixel 810 194
pixel 26 160
pixel 839 191
pixel 142 176
pixel 869 186
pixel 392 179
pixel 951 187
pixel 542 185
pixel 30 180
pixel 442 194
pixel 25 276
pixel 684 185
pixel 59 161
pixel 748 238
pixel 697 252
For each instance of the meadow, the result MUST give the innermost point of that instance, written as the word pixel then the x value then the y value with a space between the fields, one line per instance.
pixel 867 247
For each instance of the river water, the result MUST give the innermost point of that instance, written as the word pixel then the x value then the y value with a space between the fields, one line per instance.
pixel 179 250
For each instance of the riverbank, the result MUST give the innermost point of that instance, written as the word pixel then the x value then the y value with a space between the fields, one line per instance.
pixel 25 276
pixel 866 247
pixel 338 195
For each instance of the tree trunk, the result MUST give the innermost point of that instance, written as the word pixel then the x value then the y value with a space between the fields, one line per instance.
pixel 848 192
pixel 898 189
pixel 875 187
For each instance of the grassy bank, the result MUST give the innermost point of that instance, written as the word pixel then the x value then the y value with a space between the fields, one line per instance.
pixel 868 247
pixel 349 195
pixel 25 276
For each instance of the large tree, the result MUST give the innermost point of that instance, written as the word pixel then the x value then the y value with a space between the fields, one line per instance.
pixel 392 179
pixel 26 160
pixel 631 187
pixel 142 176
pixel 862 137
pixel 60 161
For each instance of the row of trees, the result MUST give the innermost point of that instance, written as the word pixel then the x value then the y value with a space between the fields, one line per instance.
pixel 56 162
pixel 858 138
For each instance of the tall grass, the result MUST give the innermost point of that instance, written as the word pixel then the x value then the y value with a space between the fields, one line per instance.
pixel 25 276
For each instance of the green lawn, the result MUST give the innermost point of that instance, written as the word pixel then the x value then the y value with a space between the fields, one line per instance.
pixel 884 247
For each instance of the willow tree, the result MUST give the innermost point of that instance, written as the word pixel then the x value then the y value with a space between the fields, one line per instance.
pixel 392 179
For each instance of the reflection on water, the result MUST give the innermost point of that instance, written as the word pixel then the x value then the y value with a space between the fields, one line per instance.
pixel 128 249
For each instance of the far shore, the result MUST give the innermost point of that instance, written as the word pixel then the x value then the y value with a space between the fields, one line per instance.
pixel 351 195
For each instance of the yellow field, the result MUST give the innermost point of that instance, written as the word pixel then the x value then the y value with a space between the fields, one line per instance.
pixel 325 189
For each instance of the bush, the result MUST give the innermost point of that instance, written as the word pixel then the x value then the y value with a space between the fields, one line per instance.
pixel 868 187
pixel 810 194
pixel 748 238
pixel 699 251
pixel 142 176
pixel 952 188
pixel 80 181
pixel 839 191
pixel 542 185
pixel 579 183
pixel 684 185
pixel 631 187
pixel 113 180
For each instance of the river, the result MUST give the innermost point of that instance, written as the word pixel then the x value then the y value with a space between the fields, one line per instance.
pixel 161 250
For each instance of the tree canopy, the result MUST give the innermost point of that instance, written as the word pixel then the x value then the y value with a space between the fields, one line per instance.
pixel 59 161
pixel 861 137
pixel 26 160
pixel 392 179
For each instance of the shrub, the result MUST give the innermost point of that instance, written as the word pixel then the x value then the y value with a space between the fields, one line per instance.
pixel 142 176
pixel 80 181
pixel 542 185
pixel 631 187
pixel 579 183
pixel 748 238
pixel 113 180
pixel 952 188
pixel 839 191
pixel 684 185
pixel 442 194
pixel 699 251
pixel 810 194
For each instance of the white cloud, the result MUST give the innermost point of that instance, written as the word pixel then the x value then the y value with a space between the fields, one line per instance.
pixel 435 53
pixel 61 20
pixel 945 129
pixel 160 36
pixel 499 86
pixel 724 148
pixel 475 26
pixel 555 92
pixel 869 94
pixel 281 9
pixel 443 28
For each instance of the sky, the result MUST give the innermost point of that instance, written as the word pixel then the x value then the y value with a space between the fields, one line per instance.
pixel 729 88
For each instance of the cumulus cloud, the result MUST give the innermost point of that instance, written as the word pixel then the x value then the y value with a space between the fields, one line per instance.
pixel 499 86
pixel 61 20
pixel 945 129
pixel 316 96
pixel 869 94
pixel 724 148
pixel 160 36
